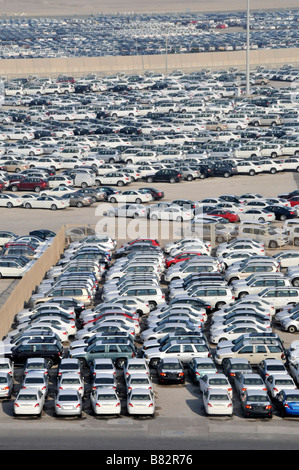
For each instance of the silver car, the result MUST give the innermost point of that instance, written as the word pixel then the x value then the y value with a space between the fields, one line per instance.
pixel 105 401
pixel 6 385
pixel 68 403
pixel 29 402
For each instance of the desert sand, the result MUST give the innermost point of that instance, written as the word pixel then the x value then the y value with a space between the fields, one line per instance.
pixel 79 7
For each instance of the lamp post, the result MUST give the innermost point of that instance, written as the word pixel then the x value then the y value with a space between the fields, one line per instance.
pixel 247 55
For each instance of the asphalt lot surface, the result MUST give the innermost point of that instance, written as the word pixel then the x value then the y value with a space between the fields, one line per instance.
pixel 180 421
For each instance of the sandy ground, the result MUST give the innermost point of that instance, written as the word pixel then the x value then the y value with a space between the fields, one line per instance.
pixel 77 7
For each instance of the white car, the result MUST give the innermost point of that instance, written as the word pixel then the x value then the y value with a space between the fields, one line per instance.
pixel 104 379
pixel 238 244
pixel 217 402
pixel 217 381
pixel 70 381
pixel 46 202
pixel 250 381
pixel 277 382
pixel 127 210
pixel 59 191
pixel 134 196
pixel 68 403
pixel 259 215
pixel 141 402
pixel 29 402
pixel 233 331
pixel 10 200
pixel 105 401
pixel 177 214
pixel 34 379
pixel 114 178
pixel 140 381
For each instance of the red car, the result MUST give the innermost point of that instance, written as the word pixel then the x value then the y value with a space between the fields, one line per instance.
pixel 294 201
pixel 181 257
pixel 29 184
pixel 151 241
pixel 231 216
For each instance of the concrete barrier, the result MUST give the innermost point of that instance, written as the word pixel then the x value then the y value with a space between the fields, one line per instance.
pixel 27 285
pixel 80 66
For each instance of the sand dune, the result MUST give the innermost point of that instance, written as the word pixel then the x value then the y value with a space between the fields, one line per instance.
pixel 78 7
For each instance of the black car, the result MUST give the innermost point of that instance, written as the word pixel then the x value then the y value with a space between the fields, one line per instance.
pixel 156 193
pixel 51 352
pixel 44 234
pixel 170 370
pixel 167 175
pixel 232 366
pixel 256 404
pixel 281 213
pixel 222 169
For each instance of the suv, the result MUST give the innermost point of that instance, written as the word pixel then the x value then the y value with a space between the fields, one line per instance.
pixel 52 352
pixel 254 352
pixel 29 184
pixel 168 175
pixel 119 353
pixel 267 235
pixel 182 350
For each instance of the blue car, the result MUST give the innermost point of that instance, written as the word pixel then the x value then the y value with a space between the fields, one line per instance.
pixel 288 402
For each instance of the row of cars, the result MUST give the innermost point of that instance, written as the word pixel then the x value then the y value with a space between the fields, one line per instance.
pixel 104 303
pixel 143 33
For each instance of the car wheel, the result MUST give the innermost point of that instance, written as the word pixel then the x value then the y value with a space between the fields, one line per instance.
pixel 219 305
pixel 111 160
pixel 154 217
pixel 296 241
pixel 273 154
pixel 138 201
pixel 84 185
pixel 152 305
pixel 273 244
pixel 79 204
pixel 113 200
pixel 226 174
pixel 233 279
pixel 202 176
pixel 120 183
pixel 282 217
pixel 292 329
pixel 53 207
pixel 222 339
pixel 37 189
pixel 120 362
pixel 49 362
pixel 149 179
pixel 111 214
pixel 242 295
pixel 154 362
pixel 261 219
pixel 273 171
pixel 136 215
pixel 9 205
pixel 172 180
pixel 179 219
pixel 189 178
pixel 295 282
pixel 251 173
pixel 28 205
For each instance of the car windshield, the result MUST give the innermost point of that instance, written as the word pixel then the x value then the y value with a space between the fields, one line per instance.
pixel 104 367
pixel 139 381
pixel 172 365
pixel 68 398
pixel 34 380
pixel 241 367
pixel 68 366
pixel 206 366
pixel 284 382
pixel 140 397
pixel 275 368
pixel 3 380
pixel 293 397
pixel 27 397
pixel 258 398
pixel 219 397
pixel 4 366
pixel 70 381
pixel 253 381
pixel 217 381
pixel 104 380
pixel 107 397
pixel 137 367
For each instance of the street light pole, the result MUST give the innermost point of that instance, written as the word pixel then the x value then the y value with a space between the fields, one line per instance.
pixel 247 55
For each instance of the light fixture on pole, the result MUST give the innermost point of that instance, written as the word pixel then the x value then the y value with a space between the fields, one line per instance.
pixel 247 55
